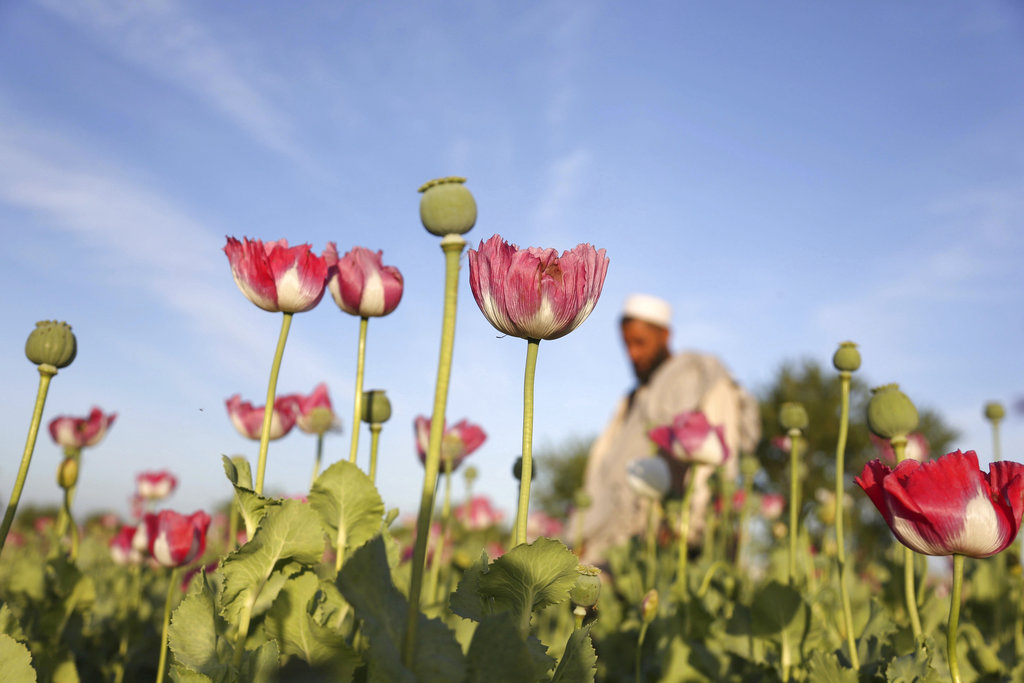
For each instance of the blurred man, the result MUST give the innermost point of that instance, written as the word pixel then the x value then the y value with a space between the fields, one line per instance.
pixel 667 384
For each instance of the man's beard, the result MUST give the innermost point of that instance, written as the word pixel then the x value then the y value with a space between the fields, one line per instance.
pixel 643 376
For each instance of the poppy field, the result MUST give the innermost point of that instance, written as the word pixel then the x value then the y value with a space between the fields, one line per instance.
pixel 336 586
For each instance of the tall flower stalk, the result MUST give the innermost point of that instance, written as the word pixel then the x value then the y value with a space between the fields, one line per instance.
pixel 376 411
pixel 892 415
pixel 954 618
pixel 357 407
pixel 278 279
pixel 846 360
pixel 793 419
pixel 446 208
pixel 51 346
pixel 523 509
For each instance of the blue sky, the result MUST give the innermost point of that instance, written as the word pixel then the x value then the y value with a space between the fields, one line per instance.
pixel 789 175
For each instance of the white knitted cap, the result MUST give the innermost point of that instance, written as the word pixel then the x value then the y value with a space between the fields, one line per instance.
pixel 648 308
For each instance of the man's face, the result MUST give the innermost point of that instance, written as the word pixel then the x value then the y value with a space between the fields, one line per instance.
pixel 647 346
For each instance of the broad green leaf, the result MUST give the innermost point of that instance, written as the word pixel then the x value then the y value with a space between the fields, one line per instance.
pixel 579 663
pixel 180 674
pixel 365 581
pixel 824 667
pixel 289 531
pixel 290 623
pixel 497 653
pixel 196 635
pixel 874 644
pixel 9 623
pixel 530 577
pixel 66 672
pixel 467 601
pixel 251 505
pixel 349 506
pixel 261 665
pixel 26 576
pixel 15 661
pixel 773 609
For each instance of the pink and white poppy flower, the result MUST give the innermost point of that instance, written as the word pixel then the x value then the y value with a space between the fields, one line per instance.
pixel 478 513
pixel 248 419
pixel 691 438
pixel 948 506
pixel 534 293
pixel 360 282
pixel 276 277
pixel 122 551
pixel 458 442
pixel 155 485
pixel 314 413
pixel 79 432
pixel 173 539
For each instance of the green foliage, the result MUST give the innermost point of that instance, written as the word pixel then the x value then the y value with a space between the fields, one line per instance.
pixel 15 661
pixel 349 506
pixel 559 475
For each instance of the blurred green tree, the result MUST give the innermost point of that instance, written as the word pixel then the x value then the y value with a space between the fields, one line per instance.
pixel 559 475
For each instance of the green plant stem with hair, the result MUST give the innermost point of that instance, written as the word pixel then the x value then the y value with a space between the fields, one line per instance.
pixel 639 651
pixel 532 347
pixel 268 410
pixel 682 583
pixel 652 543
pixel 899 449
pixel 319 458
pixel 446 509
pixel 375 428
pixel 794 500
pixel 844 419
pixel 357 410
pixel 954 617
pixel 171 585
pixel 741 530
pixel 129 625
pixel 46 373
pixel 705 583
pixel 452 245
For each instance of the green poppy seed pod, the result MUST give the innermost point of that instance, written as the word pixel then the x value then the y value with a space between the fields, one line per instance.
pixel 581 499
pixel 847 357
pixel 587 588
pixel 649 606
pixel 470 474
pixel 994 411
pixel 890 412
pixel 792 416
pixel 67 473
pixel 517 469
pixel 447 207
pixel 749 465
pixel 51 343
pixel 376 406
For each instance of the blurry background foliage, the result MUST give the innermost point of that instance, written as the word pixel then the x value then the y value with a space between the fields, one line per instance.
pixel 561 466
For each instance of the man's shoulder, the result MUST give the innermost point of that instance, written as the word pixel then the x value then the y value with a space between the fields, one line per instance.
pixel 692 360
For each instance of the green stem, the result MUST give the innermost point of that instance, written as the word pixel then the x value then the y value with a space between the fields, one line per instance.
pixel 741 531
pixel 532 346
pixel 954 617
pixel 357 411
pixel 794 500
pixel 639 651
pixel 172 583
pixel 996 451
pixel 319 458
pixel 435 560
pixel 46 373
pixel 899 449
pixel 375 428
pixel 134 594
pixel 268 411
pixel 844 419
pixel 705 584
pixel 452 245
pixel 652 541
pixel 69 497
pixel 682 584
pixel 233 519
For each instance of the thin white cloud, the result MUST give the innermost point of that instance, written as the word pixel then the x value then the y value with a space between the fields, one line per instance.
pixel 565 177
pixel 136 235
pixel 159 37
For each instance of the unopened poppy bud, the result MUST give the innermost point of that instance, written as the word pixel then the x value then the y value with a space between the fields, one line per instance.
pixel 51 343
pixel 470 474
pixel 994 411
pixel 376 406
pixel 749 465
pixel 847 358
pixel 890 412
pixel 649 606
pixel 792 416
pixel 67 473
pixel 517 469
pixel 447 207
pixel 582 499
pixel 587 588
